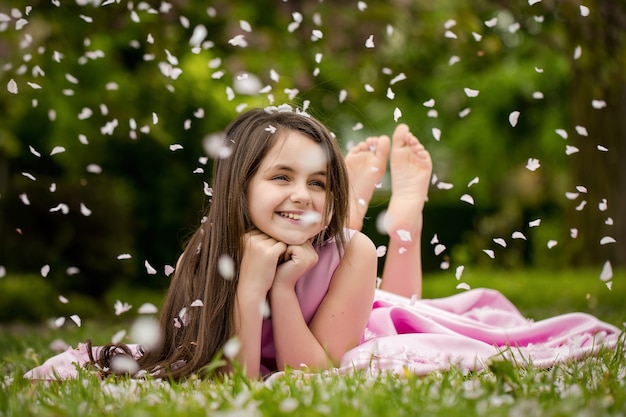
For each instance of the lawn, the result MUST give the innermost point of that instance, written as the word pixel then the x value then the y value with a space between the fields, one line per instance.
pixel 593 387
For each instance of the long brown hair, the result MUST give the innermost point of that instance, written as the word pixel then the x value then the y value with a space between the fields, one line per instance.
pixel 191 342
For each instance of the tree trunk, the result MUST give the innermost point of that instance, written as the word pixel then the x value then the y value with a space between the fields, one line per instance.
pixel 599 74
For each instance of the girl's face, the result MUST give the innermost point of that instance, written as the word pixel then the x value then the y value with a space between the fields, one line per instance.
pixel 287 195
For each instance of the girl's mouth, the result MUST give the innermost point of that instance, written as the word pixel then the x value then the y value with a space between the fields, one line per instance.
pixel 293 216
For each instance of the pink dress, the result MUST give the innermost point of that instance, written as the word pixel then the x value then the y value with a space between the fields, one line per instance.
pixel 420 336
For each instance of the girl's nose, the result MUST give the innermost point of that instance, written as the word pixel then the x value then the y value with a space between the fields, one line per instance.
pixel 301 195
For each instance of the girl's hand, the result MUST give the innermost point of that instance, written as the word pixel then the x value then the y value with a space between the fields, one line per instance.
pixel 261 254
pixel 297 260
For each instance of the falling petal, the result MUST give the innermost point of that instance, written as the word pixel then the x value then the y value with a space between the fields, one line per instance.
pixel 429 103
pixel 582 131
pixel 562 133
pixel 538 95
pixel 404 235
pixel 435 239
pixel 552 243
pixel 168 270
pixel 459 272
pixel 63 300
pixel 453 60
pixel 197 303
pixel 571 196
pixel 343 94
pixel 176 147
pixel 12 86
pixel 231 348
pixel 120 307
pixel 500 241
pixel 578 52
pixel 606 240
pixel 436 133
pixel 72 270
pixel 518 235
pixel 390 94
pixel 147 308
pixel 149 269
pixel 146 332
pixel 45 270
pixel 24 199
pixel 398 78
pixel 76 319
pixel 471 93
pixel 514 118
pixel 450 35
pixel 534 223
pixel 532 164
pixel 603 205
pixel 310 217
pixel 226 267
pixel 584 11
pixel 581 206
pixel 84 210
pixel 59 322
pixel 491 22
pixel 444 265
pixel 463 113
pixel 602 148
pixel 381 251
pixel 369 43
pixel 439 249
pixel 490 253
pixel 124 256
pixel 609 221
pixel 444 185
pixel 573 232
pixel 118 336
pixel 475 180
pixel 3 271
pixel 609 285
pixel 598 104
pixel 607 271
pixel 463 286
pixel 29 176
pixel 468 199
pixel 397 114
pixel 570 150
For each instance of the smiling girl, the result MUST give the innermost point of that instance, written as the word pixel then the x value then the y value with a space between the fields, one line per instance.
pixel 278 268
pixel 278 211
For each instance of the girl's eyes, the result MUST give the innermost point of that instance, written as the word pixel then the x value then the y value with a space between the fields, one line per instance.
pixel 314 183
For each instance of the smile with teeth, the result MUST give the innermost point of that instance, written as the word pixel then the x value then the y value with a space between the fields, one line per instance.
pixel 294 216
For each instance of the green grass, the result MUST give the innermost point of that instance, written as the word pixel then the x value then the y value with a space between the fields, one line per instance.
pixel 592 387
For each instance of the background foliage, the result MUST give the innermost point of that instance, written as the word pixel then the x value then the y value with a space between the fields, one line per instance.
pixel 116 84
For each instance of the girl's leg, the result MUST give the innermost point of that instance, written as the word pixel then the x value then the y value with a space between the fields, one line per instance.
pixel 366 162
pixel 411 169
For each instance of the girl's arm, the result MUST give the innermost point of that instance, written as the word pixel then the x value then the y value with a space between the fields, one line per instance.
pixel 339 321
pixel 256 274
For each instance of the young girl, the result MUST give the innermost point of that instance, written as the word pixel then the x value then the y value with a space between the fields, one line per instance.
pixel 275 241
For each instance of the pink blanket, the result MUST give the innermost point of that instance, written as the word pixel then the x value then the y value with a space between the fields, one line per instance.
pixel 464 330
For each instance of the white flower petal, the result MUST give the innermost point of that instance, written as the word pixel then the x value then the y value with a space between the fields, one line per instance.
pixel 606 240
pixel 149 269
pixel 607 271
pixel 500 241
pixel 439 249
pixel 514 118
pixel 518 235
pixel 468 199
pixel 459 272
pixel 552 243
pixel 45 270
pixel 147 308
pixel 490 253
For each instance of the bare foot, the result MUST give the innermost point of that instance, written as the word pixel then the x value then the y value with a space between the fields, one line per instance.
pixel 366 164
pixel 411 169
